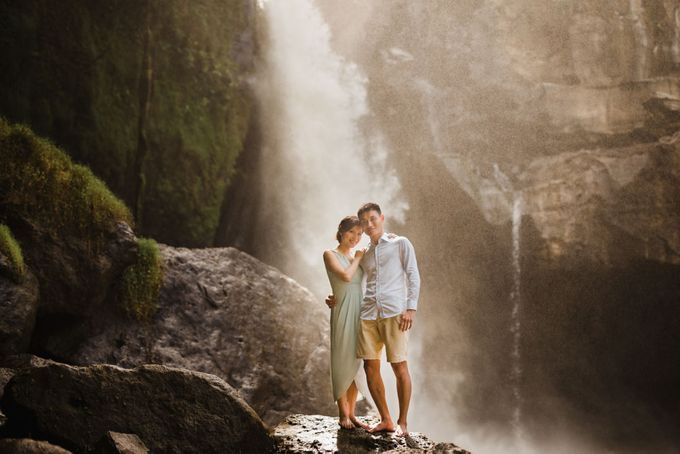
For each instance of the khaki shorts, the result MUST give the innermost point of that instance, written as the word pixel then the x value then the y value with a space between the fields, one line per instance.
pixel 373 334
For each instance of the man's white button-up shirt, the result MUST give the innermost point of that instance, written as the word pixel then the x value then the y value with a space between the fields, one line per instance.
pixel 392 278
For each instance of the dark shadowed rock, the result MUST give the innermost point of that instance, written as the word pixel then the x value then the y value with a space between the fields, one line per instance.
pixel 76 278
pixel 5 375
pixel 118 443
pixel 75 281
pixel 322 434
pixel 18 306
pixel 223 312
pixel 22 361
pixel 172 410
pixel 28 446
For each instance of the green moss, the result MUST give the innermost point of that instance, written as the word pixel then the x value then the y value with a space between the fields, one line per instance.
pixel 141 282
pixel 41 184
pixel 11 249
pixel 73 74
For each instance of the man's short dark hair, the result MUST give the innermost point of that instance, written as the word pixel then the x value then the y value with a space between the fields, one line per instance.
pixel 370 206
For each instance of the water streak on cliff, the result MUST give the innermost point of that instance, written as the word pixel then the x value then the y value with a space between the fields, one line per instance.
pixel 515 324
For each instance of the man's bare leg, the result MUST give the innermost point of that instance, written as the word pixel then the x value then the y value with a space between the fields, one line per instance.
pixel 377 389
pixel 403 392
pixel 352 394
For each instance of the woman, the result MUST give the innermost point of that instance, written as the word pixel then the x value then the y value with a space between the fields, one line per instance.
pixel 345 277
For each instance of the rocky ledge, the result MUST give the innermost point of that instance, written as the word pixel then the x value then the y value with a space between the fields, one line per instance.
pixel 57 408
pixel 165 409
pixel 322 434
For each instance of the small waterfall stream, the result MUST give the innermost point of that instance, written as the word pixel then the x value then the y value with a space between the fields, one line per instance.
pixel 515 323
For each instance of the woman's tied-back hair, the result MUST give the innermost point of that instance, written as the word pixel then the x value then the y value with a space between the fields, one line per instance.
pixel 347 224
pixel 370 206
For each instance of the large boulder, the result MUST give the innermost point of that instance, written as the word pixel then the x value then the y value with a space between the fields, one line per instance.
pixel 170 409
pixel 314 433
pixel 223 312
pixel 75 236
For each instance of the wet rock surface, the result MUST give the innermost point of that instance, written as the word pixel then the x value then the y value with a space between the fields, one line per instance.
pixel 170 409
pixel 322 434
pixel 223 312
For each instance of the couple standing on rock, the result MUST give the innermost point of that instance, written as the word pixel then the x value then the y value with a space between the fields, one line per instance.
pixel 362 323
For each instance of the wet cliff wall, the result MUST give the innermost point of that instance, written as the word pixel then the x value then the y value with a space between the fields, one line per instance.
pixel 151 95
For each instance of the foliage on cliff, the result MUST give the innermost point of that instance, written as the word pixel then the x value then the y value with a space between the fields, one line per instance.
pixel 141 281
pixel 149 94
pixel 11 249
pixel 42 186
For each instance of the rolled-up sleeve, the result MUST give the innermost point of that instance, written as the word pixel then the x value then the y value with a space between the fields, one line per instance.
pixel 410 264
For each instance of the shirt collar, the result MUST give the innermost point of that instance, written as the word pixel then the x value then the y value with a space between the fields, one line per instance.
pixel 383 238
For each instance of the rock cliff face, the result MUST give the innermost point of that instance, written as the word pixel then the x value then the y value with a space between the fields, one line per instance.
pixel 610 206
pixel 151 95
pixel 223 312
pixel 573 108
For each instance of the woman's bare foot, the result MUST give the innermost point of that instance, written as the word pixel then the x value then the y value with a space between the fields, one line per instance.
pixel 383 426
pixel 403 431
pixel 358 423
pixel 346 423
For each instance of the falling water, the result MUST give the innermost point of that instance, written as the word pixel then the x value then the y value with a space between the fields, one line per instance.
pixel 515 326
pixel 319 161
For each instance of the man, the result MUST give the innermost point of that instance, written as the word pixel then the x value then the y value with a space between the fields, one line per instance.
pixel 387 312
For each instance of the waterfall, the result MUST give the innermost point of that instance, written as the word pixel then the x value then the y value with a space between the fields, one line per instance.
pixel 515 323
pixel 319 161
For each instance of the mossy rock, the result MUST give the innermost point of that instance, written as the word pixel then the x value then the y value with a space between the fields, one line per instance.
pixel 43 187
pixel 11 249
pixel 141 282
pixel 74 73
pixel 75 234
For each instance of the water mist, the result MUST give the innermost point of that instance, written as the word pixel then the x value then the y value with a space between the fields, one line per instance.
pixel 318 164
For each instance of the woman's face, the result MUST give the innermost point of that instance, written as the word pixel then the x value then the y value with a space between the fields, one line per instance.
pixel 351 237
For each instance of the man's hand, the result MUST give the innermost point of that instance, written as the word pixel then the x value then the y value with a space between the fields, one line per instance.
pixel 407 319
pixel 330 301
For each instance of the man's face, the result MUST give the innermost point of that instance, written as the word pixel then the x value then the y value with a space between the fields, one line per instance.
pixel 372 222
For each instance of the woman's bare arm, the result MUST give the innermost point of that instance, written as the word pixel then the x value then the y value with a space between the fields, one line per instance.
pixel 334 265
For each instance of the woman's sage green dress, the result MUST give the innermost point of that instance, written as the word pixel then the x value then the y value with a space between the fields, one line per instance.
pixel 344 328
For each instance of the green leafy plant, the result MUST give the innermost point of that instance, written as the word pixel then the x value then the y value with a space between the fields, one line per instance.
pixel 11 249
pixel 141 282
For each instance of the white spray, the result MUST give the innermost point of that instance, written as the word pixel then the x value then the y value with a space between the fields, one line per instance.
pixel 318 165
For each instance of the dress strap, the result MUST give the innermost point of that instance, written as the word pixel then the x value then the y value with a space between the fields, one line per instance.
pixel 341 255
